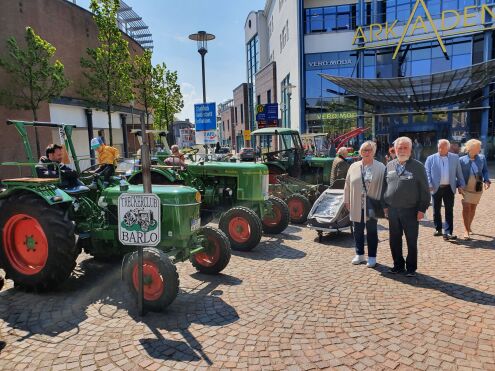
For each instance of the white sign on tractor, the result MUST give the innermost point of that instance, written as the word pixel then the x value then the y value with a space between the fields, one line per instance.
pixel 139 219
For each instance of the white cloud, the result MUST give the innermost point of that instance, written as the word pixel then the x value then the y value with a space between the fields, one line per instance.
pixel 191 97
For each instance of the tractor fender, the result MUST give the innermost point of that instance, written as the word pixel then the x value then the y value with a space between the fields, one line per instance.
pixel 275 165
pixel 165 173
pixel 52 196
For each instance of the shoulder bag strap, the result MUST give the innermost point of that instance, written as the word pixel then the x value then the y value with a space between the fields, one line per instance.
pixel 362 180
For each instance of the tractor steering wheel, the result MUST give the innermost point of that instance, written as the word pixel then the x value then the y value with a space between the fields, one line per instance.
pixel 88 172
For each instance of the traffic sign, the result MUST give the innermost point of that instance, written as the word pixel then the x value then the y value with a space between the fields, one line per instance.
pixel 206 137
pixel 139 219
pixel 267 115
pixel 205 117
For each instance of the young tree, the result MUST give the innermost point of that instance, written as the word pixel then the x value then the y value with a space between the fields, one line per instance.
pixel 108 67
pixel 168 96
pixel 35 79
pixel 144 85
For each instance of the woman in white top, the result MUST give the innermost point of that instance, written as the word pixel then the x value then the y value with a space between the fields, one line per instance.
pixel 364 178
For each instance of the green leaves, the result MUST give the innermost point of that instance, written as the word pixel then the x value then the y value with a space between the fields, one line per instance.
pixel 107 67
pixel 156 88
pixel 35 76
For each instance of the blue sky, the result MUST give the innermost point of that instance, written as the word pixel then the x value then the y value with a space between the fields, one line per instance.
pixel 172 21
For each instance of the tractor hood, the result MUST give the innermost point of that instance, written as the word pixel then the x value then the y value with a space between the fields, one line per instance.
pixel 318 161
pixel 169 194
pixel 228 168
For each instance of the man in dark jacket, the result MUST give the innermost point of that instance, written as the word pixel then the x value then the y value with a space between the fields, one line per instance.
pixel 339 167
pixel 50 165
pixel 406 198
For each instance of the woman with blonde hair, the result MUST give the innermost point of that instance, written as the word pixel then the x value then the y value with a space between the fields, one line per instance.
pixel 475 172
pixel 364 179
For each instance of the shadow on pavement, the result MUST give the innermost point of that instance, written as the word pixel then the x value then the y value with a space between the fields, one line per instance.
pixel 478 244
pixel 201 306
pixel 455 290
pixel 337 239
pixel 55 317
pixel 270 250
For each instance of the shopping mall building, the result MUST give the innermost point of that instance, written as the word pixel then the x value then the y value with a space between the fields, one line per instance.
pixel 421 68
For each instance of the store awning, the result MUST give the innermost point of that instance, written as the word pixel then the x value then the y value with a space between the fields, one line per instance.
pixel 421 92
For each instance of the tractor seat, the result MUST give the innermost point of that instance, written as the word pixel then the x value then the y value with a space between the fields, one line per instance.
pixel 77 190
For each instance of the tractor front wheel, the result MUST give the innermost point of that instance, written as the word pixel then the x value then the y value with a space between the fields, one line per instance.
pixel 299 208
pixel 276 223
pixel 38 247
pixel 243 228
pixel 160 278
pixel 216 255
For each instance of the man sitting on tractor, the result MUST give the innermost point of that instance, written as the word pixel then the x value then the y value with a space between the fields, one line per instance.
pixel 51 166
pixel 107 159
pixel 177 157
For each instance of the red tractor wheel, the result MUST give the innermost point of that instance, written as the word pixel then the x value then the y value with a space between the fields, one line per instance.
pixel 243 228
pixel 299 208
pixel 216 255
pixel 160 278
pixel 38 248
pixel 279 221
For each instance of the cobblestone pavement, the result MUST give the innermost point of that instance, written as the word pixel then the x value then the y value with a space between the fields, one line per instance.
pixel 292 303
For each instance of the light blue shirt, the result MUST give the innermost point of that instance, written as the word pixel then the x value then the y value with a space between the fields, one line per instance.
pixel 444 170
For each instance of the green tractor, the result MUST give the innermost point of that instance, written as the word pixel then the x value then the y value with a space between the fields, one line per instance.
pixel 45 227
pixel 234 193
pixel 294 177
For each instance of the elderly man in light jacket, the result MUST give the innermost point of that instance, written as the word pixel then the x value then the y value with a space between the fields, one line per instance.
pixel 364 178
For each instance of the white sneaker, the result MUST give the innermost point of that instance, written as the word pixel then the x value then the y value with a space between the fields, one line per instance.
pixel 359 259
pixel 371 262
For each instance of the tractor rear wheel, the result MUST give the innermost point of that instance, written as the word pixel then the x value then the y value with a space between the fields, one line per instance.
pixel 38 247
pixel 299 208
pixel 160 278
pixel 217 252
pixel 280 220
pixel 243 228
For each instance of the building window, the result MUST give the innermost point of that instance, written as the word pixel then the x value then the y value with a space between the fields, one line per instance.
pixel 285 103
pixel 332 18
pixel 269 96
pixel 235 115
pixel 242 113
pixel 284 36
pixel 258 100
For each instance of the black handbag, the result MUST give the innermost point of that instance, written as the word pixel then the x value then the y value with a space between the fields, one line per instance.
pixel 373 206
pixel 479 180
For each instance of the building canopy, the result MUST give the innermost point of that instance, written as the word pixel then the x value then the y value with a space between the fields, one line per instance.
pixel 420 92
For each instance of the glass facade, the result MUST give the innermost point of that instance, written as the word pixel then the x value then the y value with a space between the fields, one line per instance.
pixel 329 109
pixel 253 66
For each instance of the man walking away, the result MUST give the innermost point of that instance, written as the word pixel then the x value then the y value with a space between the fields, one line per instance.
pixel 406 198
pixel 444 173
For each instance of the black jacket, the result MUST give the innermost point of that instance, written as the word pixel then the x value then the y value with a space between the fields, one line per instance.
pixel 47 169
pixel 406 190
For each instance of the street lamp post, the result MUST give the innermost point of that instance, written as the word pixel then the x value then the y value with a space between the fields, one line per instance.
pixel 202 38
pixel 289 87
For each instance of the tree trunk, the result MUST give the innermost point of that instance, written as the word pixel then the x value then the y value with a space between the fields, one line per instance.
pixel 36 135
pixel 109 113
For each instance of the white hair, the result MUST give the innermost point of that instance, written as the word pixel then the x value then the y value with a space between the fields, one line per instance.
pixel 368 143
pixel 403 139
pixel 441 141
pixel 342 150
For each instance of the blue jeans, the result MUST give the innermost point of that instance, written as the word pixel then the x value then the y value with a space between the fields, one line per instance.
pixel 371 236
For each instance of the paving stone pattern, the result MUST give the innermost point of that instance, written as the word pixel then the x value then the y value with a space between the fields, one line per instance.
pixel 291 304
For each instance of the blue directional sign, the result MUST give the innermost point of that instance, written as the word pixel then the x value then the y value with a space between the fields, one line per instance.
pixel 205 116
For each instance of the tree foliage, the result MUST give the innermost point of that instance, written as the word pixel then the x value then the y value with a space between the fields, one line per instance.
pixel 107 67
pixel 35 78
pixel 144 84
pixel 168 95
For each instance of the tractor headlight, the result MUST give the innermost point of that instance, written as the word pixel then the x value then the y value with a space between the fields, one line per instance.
pixel 198 197
pixel 101 202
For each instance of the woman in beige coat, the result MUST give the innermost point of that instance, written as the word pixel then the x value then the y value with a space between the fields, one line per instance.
pixel 370 172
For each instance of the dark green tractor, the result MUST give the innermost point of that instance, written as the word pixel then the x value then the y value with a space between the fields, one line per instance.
pixel 45 227
pixel 234 193
pixel 294 177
